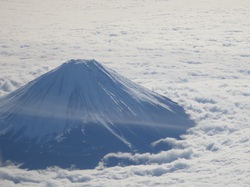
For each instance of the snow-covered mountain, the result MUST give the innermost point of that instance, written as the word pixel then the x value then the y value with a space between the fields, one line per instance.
pixel 79 112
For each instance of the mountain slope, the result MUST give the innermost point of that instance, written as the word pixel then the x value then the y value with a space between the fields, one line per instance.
pixel 81 111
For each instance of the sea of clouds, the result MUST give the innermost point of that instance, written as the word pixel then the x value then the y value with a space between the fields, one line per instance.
pixel 196 52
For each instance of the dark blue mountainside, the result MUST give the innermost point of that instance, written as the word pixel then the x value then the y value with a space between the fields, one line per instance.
pixel 81 111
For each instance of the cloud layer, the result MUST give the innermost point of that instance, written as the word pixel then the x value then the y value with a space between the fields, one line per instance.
pixel 194 52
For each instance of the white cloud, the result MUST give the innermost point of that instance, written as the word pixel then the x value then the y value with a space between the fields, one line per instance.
pixel 146 158
pixel 170 141
pixel 194 52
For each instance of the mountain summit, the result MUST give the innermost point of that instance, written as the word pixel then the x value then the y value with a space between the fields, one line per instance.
pixel 81 111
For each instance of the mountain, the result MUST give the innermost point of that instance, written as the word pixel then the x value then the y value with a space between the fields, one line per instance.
pixel 79 112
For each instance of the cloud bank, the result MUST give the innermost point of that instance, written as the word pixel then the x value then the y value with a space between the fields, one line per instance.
pixel 194 52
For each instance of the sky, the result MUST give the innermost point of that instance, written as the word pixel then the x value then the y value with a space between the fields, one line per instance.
pixel 196 52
